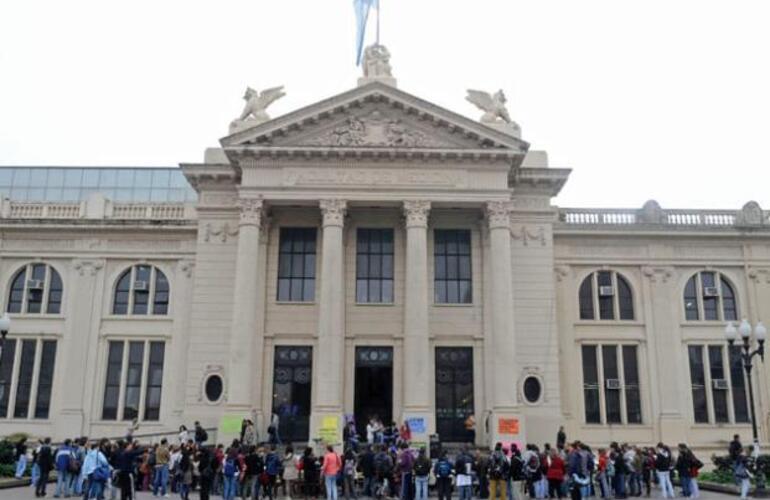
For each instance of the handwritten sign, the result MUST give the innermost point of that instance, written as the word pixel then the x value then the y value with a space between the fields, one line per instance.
pixel 417 425
pixel 508 426
pixel 230 424
pixel 329 430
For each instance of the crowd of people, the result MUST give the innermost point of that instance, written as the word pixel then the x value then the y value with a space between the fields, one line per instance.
pixel 385 466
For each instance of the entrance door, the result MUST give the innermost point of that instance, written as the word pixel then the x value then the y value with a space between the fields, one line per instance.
pixel 374 386
pixel 291 391
pixel 454 392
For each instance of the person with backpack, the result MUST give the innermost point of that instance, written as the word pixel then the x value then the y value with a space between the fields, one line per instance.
pixel 366 467
pixel 443 472
pixel 273 470
pixel 695 467
pixel 331 468
pixel 464 474
pixel 383 466
pixel 97 470
pixel 406 466
pixel 663 465
pixel 481 464
pixel 201 436
pixel 349 474
pixel 516 473
pixel 45 461
pixel 230 472
pixel 421 475
pixel 499 470
pixel 63 457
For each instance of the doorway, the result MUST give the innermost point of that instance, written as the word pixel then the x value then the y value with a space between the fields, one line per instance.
pixel 373 386
pixel 454 392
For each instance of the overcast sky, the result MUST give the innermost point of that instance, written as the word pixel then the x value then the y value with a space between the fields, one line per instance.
pixel 643 99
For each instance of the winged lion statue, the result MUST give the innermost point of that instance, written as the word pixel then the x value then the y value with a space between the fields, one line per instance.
pixel 255 112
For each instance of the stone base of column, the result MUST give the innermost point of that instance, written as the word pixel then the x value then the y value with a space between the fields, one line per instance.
pixel 506 427
pixel 69 423
pixel 326 429
pixel 672 428
pixel 422 424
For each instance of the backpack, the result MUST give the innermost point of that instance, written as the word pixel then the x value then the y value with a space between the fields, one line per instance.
pixel 203 436
pixel 517 468
pixel 533 468
pixel 444 468
pixel 230 468
pixel 350 467
pixel 74 465
pixel 272 464
pixel 381 465
pixel 497 471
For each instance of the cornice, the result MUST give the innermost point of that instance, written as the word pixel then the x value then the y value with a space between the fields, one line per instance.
pixel 210 174
pixel 545 181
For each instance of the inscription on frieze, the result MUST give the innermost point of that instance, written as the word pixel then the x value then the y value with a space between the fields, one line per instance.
pixel 364 177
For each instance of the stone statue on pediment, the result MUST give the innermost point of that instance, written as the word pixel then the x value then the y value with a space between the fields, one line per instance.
pixel 376 62
pixel 255 112
pixel 495 110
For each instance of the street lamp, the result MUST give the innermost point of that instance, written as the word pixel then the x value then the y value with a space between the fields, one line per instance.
pixel 745 331
pixel 5 326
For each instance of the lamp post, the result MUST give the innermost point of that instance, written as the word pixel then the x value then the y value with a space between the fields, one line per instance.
pixel 748 353
pixel 5 326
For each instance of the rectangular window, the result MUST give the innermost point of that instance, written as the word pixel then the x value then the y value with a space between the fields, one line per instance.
pixel 142 289
pixel 616 369
pixel 24 382
pixel 45 379
pixel 710 303
pixel 154 381
pixel 725 384
pixel 6 374
pixel 374 266
pixel 452 266
pixel 35 295
pixel 296 265
pixel 606 302
pixel 112 386
pixel 134 378
pixel 591 385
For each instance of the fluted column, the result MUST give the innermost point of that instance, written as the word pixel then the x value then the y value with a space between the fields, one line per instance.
pixel 244 326
pixel 502 327
pixel 331 310
pixel 416 345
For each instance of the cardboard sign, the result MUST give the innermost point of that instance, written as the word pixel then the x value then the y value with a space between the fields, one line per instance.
pixel 417 425
pixel 230 424
pixel 508 426
pixel 329 430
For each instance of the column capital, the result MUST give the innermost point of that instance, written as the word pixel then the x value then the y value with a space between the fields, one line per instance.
pixel 333 211
pixel 416 213
pixel 499 214
pixel 251 211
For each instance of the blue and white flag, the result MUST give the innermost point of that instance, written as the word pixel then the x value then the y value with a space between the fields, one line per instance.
pixel 362 8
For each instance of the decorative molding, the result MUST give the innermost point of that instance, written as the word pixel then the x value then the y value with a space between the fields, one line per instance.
pixel 88 267
pixel 251 211
pixel 221 231
pixel 561 272
pixel 534 372
pixel 210 371
pixel 531 203
pixel 658 274
pixel 750 215
pixel 218 199
pixel 187 267
pixel 759 275
pixel 525 235
pixel 369 177
pixel 499 214
pixel 416 213
pixel 333 212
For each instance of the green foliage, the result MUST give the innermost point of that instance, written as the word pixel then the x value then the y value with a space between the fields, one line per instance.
pixel 7 470
pixel 723 468
pixel 7 452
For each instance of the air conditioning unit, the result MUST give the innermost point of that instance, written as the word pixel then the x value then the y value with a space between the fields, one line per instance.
pixel 140 286
pixel 612 383
pixel 710 291
pixel 606 291
pixel 719 384
pixel 34 284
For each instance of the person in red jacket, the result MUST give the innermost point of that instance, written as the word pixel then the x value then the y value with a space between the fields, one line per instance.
pixel 555 474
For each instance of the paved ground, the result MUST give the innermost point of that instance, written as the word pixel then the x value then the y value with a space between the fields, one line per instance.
pixel 28 493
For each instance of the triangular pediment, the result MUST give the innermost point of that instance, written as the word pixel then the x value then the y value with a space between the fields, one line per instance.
pixel 375 116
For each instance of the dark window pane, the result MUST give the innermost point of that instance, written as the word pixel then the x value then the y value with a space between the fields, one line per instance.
pixel 362 291
pixel 24 386
pixel 6 374
pixel 35 289
pixel 133 380
pixel 122 290
pixel 296 265
pixel 45 379
pixel 611 395
pixel 452 266
pixel 214 388
pixel 154 381
pixel 717 370
pixel 284 287
pixel 439 292
pixel 374 263
pixel 55 291
pixel 698 381
pixel 587 298
pixel 532 389
pixel 740 404
pixel 466 292
pixel 625 299
pixel 631 381
pixel 17 291
pixel 691 300
pixel 591 385
pixel 440 270
pixel 160 303
pixel 387 291
pixel 729 306
pixel 710 308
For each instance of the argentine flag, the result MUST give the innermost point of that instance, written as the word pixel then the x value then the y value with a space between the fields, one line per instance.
pixel 362 8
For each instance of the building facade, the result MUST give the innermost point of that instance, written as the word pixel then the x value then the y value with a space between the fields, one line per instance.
pixel 371 254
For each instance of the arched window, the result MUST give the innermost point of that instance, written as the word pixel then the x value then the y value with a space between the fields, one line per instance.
pixel 606 295
pixel 141 289
pixel 708 295
pixel 36 289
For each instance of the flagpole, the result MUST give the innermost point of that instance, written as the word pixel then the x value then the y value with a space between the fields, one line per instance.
pixel 378 22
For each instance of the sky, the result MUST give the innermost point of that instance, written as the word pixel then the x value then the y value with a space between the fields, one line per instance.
pixel 652 99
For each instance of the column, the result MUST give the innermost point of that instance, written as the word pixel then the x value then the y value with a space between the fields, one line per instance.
pixel 505 424
pixel 416 335
pixel 244 326
pixel 329 382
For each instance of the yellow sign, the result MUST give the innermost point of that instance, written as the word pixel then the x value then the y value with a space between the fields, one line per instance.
pixel 330 422
pixel 230 424
pixel 329 430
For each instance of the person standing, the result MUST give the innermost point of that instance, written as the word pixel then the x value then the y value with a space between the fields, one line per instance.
pixel 21 457
pixel 125 461
pixel 63 458
pixel 231 472
pixel 682 468
pixel 498 474
pixel 663 470
pixel 561 439
pixel 366 465
pixel 310 473
pixel 330 468
pixel 273 469
pixel 470 428
pixel 45 464
pixel 443 472
pixel 206 469
pixel 290 471
pixel 162 459
pixel 464 477
pixel 481 470
pixel 421 475
pixel 201 436
pixel 742 473
pixel 555 474
pixel 249 434
pixel 735 447
pixel 184 435
pixel 349 475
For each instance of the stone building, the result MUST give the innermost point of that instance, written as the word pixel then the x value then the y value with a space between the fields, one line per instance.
pixel 371 254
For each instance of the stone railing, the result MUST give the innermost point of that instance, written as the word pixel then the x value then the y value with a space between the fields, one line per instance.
pixel 97 208
pixel 651 214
